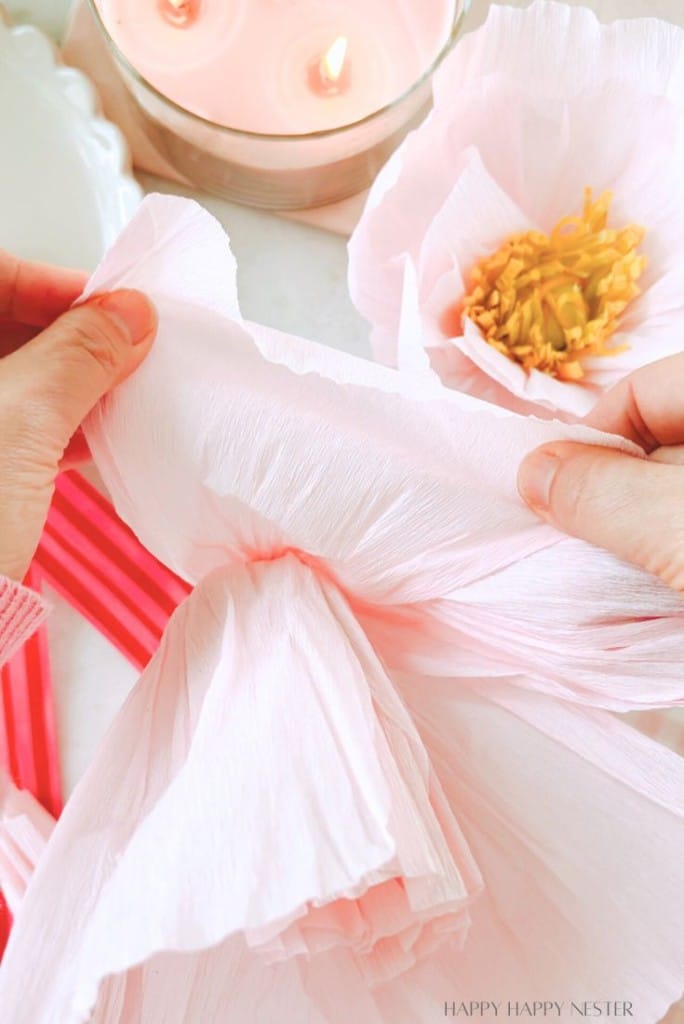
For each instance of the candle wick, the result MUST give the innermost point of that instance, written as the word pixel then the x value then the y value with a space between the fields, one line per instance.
pixel 180 13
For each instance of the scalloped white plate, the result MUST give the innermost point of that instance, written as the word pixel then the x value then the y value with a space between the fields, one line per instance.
pixel 65 190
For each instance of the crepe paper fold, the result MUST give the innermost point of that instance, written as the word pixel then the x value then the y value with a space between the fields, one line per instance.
pixel 25 827
pixel 372 767
pixel 529 110
pixel 94 561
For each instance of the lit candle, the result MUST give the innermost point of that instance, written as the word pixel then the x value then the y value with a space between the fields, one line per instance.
pixel 330 75
pixel 277 68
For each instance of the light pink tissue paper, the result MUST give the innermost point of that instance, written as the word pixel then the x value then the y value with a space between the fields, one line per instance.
pixel 372 769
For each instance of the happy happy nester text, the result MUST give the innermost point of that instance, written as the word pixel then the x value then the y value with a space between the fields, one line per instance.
pixel 537 1008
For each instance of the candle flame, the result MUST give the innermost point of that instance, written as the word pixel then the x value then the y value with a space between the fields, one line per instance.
pixel 333 61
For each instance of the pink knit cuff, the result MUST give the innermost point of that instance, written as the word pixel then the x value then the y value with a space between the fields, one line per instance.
pixel 21 612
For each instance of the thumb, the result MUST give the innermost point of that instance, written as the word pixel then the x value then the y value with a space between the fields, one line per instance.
pixel 632 507
pixel 47 387
pixel 57 378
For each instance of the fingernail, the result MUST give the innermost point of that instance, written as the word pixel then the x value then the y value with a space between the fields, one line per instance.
pixel 535 479
pixel 133 311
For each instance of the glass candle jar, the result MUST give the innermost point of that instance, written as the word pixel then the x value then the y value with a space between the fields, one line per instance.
pixel 281 104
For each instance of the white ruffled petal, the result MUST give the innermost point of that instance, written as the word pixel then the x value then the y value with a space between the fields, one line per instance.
pixel 562 49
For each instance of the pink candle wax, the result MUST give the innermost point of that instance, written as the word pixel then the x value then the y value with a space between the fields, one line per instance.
pixel 284 67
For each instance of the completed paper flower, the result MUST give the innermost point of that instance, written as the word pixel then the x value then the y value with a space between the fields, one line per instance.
pixel 525 242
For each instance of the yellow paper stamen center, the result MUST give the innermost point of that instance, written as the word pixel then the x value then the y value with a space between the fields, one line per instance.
pixel 547 302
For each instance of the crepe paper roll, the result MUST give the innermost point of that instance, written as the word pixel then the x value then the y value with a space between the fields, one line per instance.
pixel 95 517
pixel 95 562
pixel 28 731
pixel 72 578
pixel 28 734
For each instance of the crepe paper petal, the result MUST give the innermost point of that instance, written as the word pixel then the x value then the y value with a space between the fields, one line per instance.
pixel 365 856
pixel 646 50
pixel 475 217
pixel 410 357
pixel 541 97
pixel 378 242
pixel 405 524
pixel 535 389
pixel 275 826
pixel 542 838
pixel 28 734
pixel 93 560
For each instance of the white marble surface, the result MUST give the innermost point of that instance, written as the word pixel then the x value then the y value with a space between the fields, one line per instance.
pixel 291 276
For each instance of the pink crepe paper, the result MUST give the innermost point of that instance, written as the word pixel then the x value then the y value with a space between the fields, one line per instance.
pixel 530 109
pixel 372 767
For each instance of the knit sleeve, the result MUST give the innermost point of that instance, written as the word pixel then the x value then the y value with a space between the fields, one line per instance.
pixel 21 612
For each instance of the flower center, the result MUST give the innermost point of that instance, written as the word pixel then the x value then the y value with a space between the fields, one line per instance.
pixel 547 302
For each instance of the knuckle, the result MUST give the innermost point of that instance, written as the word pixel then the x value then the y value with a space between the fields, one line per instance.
pixel 577 492
pixel 26 431
pixel 89 332
pixel 15 417
pixel 673 573
pixel 667 561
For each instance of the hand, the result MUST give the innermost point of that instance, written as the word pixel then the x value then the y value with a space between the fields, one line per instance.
pixel 633 507
pixel 49 381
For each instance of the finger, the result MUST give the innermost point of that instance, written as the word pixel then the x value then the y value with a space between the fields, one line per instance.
pixel 632 507
pixel 53 382
pixel 647 407
pixel 36 293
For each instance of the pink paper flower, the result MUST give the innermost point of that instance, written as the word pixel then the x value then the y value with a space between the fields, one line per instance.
pixel 373 768
pixel 531 110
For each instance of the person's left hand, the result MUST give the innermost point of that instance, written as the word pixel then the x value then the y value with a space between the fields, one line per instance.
pixel 56 362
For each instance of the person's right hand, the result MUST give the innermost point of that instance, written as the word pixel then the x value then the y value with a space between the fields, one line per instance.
pixel 630 506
